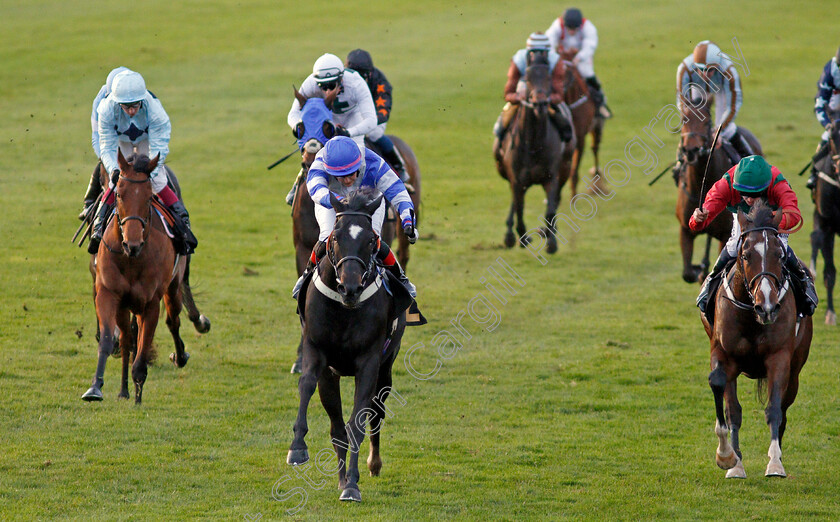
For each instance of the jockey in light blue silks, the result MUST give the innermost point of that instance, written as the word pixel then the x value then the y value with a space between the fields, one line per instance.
pixel 341 169
pixel 827 110
pixel 133 120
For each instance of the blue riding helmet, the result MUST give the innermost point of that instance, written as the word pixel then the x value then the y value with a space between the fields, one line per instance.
pixel 342 156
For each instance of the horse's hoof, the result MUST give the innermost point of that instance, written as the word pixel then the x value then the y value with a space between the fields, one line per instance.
pixel 123 395
pixel 297 457
pixel 551 246
pixel 524 240
pixel 174 358
pixel 93 394
pixel 726 461
pixel 203 324
pixel 737 472
pixel 510 240
pixel 297 367
pixel 831 318
pixel 351 494
pixel 775 469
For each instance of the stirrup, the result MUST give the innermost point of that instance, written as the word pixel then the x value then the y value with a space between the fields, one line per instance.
pixel 605 112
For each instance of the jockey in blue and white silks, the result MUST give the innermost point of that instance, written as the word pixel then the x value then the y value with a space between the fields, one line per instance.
pixel 132 120
pixel 341 169
pixel 708 72
pixel 827 110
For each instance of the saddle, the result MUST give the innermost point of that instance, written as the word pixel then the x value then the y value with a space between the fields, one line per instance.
pixel 183 241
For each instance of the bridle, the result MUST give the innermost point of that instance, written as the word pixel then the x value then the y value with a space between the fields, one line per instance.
pixel 781 286
pixel 369 266
pixel 143 221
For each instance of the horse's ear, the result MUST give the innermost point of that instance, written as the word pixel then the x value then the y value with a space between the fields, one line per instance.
pixel 300 97
pixel 373 206
pixel 337 205
pixel 123 163
pixel 153 164
pixel 743 220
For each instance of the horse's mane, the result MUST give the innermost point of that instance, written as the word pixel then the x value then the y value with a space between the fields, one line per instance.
pixel 140 163
pixel 761 215
pixel 361 198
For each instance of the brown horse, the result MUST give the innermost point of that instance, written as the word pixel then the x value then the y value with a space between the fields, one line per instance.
pixel 585 119
pixel 313 133
pixel 696 138
pixel 758 333
pixel 531 152
pixel 136 266
pixel 826 197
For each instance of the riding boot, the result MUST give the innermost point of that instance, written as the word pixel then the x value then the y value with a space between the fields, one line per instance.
pixel 99 223
pixel 389 261
pixel 807 300
pixel 742 147
pixel 290 197
pixel 318 251
pixel 393 157
pixel 822 151
pixel 189 240
pixel 562 123
pixel 92 194
pixel 717 271
pixel 598 97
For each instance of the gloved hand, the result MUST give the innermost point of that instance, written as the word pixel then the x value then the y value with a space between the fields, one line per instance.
pixel 410 232
pixel 341 131
pixel 115 177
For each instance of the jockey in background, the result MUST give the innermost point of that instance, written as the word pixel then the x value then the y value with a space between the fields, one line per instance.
pixel 94 189
pixel 347 95
pixel 709 71
pixel 537 47
pixel 739 189
pixel 827 109
pixel 380 88
pixel 133 120
pixel 340 168
pixel 575 39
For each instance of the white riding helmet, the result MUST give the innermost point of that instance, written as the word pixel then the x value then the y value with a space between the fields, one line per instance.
pixel 707 54
pixel 327 68
pixel 129 87
pixel 538 42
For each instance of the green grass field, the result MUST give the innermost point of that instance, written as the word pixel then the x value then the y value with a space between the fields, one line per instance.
pixel 585 396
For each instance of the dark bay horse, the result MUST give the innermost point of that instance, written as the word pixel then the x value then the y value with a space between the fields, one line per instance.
pixel 136 267
pixel 585 119
pixel 352 327
pixel 696 138
pixel 826 197
pixel 315 129
pixel 756 332
pixel 531 153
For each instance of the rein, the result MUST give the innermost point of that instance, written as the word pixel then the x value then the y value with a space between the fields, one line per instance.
pixel 782 286
pixel 143 221
pixel 371 284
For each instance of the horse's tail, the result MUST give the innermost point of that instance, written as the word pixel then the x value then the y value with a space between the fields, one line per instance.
pixel 761 390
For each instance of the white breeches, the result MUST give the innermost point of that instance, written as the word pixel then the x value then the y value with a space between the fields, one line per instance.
pixel 735 236
pixel 586 68
pixel 326 220
pixel 378 132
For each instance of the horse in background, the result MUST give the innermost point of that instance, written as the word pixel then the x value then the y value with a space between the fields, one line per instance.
pixel 352 326
pixel 585 120
pixel 758 333
pixel 826 196
pixel 531 152
pixel 137 266
pixel 696 136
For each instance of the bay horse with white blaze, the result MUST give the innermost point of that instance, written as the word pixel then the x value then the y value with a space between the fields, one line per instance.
pixel 696 136
pixel 532 152
pixel 352 326
pixel 826 197
pixel 136 267
pixel 585 120
pixel 758 333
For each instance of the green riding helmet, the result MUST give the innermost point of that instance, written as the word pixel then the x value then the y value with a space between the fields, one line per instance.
pixel 752 176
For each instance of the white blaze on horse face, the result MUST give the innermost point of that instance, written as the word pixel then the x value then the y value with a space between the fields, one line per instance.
pixel 766 288
pixel 355 230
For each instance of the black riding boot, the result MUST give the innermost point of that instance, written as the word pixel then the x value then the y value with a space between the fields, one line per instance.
pixel 741 146
pixel 99 226
pixel 188 240
pixel 598 98
pixel 711 279
pixel 562 123
pixel 389 261
pixel 290 197
pixel 394 158
pixel 806 299
pixel 318 251
pixel 822 151
pixel 94 190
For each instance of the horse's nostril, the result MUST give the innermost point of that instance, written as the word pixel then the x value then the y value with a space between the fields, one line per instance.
pixel 341 289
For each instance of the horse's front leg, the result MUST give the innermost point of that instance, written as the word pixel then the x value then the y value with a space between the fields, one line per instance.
pixel 127 344
pixel 725 456
pixel 146 324
pixel 734 417
pixel 366 377
pixel 519 210
pixel 552 193
pixel 690 274
pixel 829 276
pixel 172 302
pixel 778 376
pixel 330 392
pixel 510 238
pixel 313 365
pixel 383 386
pixel 106 312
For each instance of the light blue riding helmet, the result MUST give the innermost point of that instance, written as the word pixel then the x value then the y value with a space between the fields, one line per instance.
pixel 109 83
pixel 129 87
pixel 342 156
